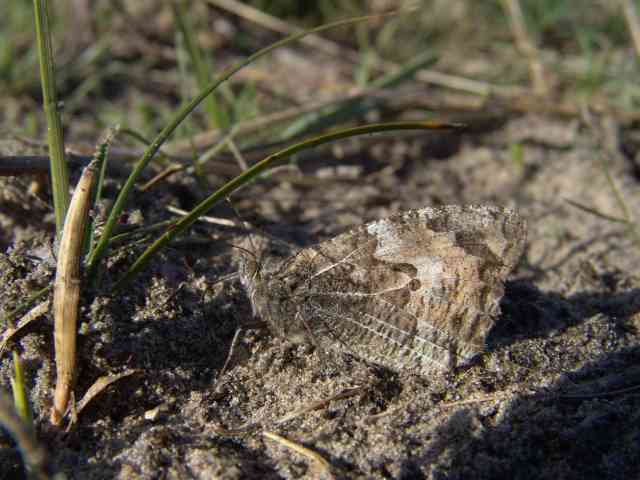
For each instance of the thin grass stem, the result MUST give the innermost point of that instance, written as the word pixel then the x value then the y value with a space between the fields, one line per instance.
pixel 58 166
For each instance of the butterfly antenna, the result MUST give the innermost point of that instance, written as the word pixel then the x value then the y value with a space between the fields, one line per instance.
pixel 253 250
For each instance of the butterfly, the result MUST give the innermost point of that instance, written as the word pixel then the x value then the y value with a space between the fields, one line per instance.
pixel 417 291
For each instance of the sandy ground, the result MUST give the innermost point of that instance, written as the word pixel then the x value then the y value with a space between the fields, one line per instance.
pixel 552 397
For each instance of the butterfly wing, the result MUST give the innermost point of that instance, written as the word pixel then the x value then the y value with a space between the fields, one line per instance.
pixel 416 291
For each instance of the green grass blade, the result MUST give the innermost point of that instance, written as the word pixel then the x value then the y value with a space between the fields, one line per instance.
pixel 357 106
pixel 101 155
pixel 217 116
pixel 20 399
pixel 166 132
pixel 58 169
pixel 241 180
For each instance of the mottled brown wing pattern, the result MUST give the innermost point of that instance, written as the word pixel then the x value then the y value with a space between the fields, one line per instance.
pixel 416 291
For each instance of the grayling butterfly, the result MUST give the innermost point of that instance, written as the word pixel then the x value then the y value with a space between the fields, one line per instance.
pixel 417 291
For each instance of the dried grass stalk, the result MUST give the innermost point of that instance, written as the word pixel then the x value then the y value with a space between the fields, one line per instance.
pixel 66 292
